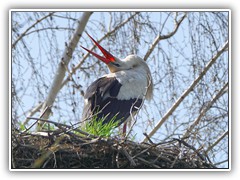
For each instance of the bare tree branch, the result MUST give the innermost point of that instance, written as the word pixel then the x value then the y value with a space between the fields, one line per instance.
pixel 32 112
pixel 203 112
pixel 221 162
pixel 32 26
pixel 217 141
pixel 160 37
pixel 187 91
pixel 67 55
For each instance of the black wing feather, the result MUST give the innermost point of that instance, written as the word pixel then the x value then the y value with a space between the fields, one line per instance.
pixel 102 100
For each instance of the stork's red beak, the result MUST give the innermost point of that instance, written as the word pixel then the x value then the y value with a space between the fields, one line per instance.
pixel 108 56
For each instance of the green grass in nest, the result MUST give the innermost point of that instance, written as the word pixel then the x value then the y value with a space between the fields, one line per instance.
pixel 96 127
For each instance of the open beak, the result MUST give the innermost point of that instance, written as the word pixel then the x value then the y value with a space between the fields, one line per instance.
pixel 108 56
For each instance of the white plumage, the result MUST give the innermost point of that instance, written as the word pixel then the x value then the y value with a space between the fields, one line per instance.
pixel 135 78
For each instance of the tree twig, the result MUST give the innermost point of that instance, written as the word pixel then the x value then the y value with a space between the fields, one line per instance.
pixel 203 112
pixel 32 112
pixel 42 114
pixel 187 91
pixel 32 26
pixel 161 37
pixel 216 142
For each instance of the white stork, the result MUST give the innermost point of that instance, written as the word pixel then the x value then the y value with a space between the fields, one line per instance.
pixel 121 92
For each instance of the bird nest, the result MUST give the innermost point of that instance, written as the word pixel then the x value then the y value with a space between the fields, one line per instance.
pixel 66 149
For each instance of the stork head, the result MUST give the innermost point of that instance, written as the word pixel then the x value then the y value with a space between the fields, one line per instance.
pixel 115 64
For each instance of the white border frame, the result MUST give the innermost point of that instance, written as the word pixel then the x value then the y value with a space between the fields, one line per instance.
pixel 122 10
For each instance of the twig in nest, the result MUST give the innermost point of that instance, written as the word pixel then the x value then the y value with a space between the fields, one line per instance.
pixel 63 127
pixel 174 162
pixel 38 163
pixel 191 147
pixel 70 150
pixel 133 164
pixel 148 138
pixel 148 163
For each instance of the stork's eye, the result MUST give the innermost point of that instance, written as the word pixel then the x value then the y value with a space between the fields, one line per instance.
pixel 115 64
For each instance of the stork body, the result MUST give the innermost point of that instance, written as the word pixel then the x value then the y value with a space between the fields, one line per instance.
pixel 119 93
